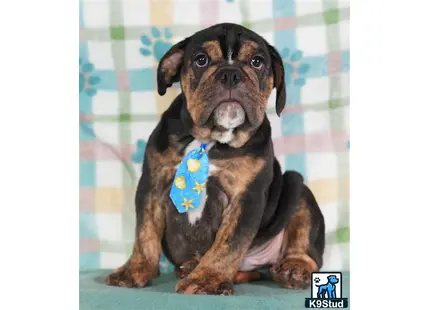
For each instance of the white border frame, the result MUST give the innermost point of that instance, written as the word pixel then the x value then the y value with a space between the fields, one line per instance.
pixel 39 155
pixel 390 120
pixel 389 154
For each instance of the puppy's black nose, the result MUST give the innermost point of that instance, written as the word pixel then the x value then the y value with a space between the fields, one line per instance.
pixel 230 77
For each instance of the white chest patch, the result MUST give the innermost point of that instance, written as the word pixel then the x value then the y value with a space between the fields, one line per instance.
pixel 192 146
pixel 196 214
pixel 226 136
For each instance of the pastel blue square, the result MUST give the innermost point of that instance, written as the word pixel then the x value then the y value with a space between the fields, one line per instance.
pixel 282 8
pixel 286 39
pixel 83 49
pixel 81 14
pixel 296 162
pixel 87 226
pixel 89 261
pixel 108 80
pixel 86 132
pixel 84 103
pixel 142 79
pixel 292 124
pixel 344 59
pixel 293 94
pixel 318 66
pixel 87 173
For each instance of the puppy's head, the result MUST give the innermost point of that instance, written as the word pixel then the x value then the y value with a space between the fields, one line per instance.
pixel 227 73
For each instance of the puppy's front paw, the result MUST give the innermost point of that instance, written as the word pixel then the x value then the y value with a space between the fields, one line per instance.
pixel 292 273
pixel 129 276
pixel 205 282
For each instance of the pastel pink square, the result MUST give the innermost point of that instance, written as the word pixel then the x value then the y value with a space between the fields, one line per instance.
pixel 209 13
pixel 333 62
pixel 126 150
pixel 120 152
pixel 81 34
pixel 333 141
pixel 284 23
pixel 86 199
pixel 123 81
pixel 291 144
pixel 86 150
pixel 105 151
pixel 89 245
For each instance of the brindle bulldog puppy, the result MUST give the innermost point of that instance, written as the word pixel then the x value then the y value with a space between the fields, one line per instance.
pixel 252 216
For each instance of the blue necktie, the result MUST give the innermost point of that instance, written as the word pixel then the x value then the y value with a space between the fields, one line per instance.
pixel 190 180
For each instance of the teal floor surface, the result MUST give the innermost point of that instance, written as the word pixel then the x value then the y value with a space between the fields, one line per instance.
pixel 160 296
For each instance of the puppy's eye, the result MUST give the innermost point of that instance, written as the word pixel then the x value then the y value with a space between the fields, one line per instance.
pixel 257 62
pixel 201 60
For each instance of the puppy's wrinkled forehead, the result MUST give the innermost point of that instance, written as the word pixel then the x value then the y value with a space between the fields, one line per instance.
pixel 224 62
pixel 228 43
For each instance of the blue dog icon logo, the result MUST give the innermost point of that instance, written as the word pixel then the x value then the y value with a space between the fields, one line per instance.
pixel 328 290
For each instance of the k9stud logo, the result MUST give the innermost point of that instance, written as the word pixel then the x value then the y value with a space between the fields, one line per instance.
pixel 326 291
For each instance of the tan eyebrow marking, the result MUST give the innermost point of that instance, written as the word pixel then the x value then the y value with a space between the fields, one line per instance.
pixel 213 49
pixel 247 50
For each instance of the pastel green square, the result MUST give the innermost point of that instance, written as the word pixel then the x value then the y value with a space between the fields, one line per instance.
pixel 124 118
pixel 248 24
pixel 124 102
pixel 117 33
pixel 118 53
pixel 342 235
pixel 335 103
pixel 331 16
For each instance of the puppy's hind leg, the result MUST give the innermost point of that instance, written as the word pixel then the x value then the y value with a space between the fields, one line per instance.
pixel 303 244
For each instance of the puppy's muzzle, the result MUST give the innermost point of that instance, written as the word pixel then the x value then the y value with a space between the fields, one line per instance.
pixel 229 115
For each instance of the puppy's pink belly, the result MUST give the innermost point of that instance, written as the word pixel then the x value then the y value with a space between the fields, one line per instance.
pixel 265 254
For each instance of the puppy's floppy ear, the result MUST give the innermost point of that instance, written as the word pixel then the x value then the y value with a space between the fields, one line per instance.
pixel 170 66
pixel 278 79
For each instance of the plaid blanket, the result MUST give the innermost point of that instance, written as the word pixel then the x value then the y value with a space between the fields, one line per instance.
pixel 121 42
